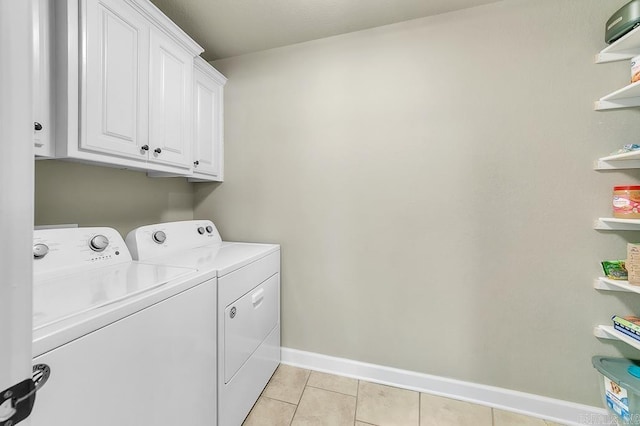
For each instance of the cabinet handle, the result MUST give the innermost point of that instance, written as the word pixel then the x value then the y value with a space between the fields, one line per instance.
pixel 37 126
pixel 196 163
pixel 157 150
pixel 145 147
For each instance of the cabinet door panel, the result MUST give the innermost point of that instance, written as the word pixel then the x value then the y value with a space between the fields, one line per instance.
pixel 116 93
pixel 208 125
pixel 170 108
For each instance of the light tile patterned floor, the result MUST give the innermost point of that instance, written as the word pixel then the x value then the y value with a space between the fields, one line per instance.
pixel 299 397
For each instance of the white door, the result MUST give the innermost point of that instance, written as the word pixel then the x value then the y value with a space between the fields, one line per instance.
pixel 42 85
pixel 207 123
pixel 16 193
pixel 117 45
pixel 171 82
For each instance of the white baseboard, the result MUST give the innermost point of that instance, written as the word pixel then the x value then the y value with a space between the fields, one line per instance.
pixel 556 410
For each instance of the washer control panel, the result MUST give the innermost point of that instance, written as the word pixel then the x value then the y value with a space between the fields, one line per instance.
pixel 165 238
pixel 70 248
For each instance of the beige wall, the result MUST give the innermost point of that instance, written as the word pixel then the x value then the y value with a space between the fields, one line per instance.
pixel 431 185
pixel 101 196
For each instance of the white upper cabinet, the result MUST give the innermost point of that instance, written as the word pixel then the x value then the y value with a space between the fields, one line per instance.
pixel 116 96
pixel 126 78
pixel 171 80
pixel 208 122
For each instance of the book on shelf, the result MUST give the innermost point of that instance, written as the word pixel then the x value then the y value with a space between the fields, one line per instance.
pixel 630 322
pixel 626 332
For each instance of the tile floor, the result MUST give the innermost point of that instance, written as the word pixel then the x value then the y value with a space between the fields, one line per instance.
pixel 298 397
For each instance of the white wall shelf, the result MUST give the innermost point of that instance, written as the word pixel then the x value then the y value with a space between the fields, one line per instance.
pixel 625 48
pixel 627 97
pixel 627 160
pixel 604 283
pixel 608 332
pixel 615 224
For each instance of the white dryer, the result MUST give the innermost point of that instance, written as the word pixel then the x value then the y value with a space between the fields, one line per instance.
pixel 248 304
pixel 127 343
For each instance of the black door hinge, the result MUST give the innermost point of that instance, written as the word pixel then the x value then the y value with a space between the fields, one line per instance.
pixel 16 403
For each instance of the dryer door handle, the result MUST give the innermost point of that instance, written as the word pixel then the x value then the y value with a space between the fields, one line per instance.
pixel 257 297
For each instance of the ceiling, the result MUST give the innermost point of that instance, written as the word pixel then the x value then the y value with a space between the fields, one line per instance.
pixel 226 28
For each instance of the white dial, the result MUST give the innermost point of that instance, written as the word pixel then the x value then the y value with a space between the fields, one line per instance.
pixel 159 237
pixel 98 243
pixel 40 250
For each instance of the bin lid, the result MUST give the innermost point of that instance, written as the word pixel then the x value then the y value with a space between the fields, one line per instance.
pixel 617 370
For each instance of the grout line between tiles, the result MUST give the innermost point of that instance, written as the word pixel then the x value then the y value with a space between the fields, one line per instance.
pixel 297 405
pixel 334 391
pixel 355 408
pixel 306 382
pixel 279 400
pixel 300 399
pixel 355 419
pixel 419 408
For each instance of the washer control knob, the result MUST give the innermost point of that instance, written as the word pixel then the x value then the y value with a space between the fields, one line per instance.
pixel 98 243
pixel 200 230
pixel 209 229
pixel 159 237
pixel 40 250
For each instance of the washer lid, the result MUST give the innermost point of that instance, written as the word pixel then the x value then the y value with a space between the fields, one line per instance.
pixel 65 296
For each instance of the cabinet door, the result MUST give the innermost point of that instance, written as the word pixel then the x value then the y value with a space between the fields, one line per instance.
pixel 171 82
pixel 115 80
pixel 42 79
pixel 207 126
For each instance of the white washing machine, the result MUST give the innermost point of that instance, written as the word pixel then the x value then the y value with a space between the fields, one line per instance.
pixel 127 343
pixel 248 318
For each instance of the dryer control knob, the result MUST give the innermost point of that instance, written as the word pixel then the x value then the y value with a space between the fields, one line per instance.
pixel 200 230
pixel 98 243
pixel 159 237
pixel 40 250
pixel 209 229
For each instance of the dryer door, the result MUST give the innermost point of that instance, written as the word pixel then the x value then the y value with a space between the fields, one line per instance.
pixel 247 322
